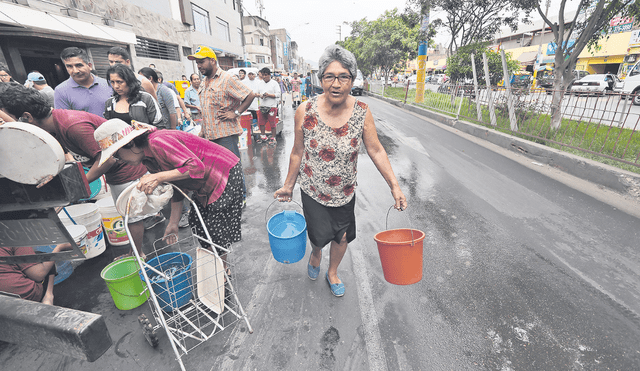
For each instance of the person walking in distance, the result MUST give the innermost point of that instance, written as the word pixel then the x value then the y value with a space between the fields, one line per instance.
pixel 269 92
pixel 252 83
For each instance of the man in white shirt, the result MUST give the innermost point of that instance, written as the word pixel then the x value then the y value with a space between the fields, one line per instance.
pixel 269 93
pixel 252 83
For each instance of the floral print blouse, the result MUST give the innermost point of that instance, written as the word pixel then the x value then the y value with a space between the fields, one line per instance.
pixel 330 159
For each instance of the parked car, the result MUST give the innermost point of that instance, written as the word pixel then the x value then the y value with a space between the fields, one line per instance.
pixel 358 84
pixel 631 84
pixel 595 84
pixel 439 78
pixel 546 81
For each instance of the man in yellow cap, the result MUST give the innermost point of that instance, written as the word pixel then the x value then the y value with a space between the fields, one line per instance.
pixel 222 100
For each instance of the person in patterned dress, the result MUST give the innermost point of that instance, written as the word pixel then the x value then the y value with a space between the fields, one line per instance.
pixel 329 130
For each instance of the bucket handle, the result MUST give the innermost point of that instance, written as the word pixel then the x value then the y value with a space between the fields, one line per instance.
pixel 69 216
pixel 386 225
pixel 266 212
pixel 146 288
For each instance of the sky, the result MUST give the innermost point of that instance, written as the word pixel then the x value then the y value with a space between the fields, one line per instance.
pixel 313 24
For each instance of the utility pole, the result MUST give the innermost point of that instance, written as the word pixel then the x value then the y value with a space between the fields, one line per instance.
pixel 260 7
pixel 422 51
pixel 539 55
pixel 339 32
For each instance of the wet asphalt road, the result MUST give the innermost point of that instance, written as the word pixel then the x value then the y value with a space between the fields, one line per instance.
pixel 520 273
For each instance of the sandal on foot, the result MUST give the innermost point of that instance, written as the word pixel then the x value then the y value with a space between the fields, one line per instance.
pixel 337 289
pixel 313 272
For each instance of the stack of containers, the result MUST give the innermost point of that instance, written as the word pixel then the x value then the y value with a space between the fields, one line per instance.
pixel 87 215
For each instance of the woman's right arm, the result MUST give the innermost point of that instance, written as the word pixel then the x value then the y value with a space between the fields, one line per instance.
pixel 286 192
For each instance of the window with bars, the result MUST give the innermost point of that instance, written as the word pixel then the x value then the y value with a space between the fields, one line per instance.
pixel 201 21
pixel 148 48
pixel 259 59
pixel 223 30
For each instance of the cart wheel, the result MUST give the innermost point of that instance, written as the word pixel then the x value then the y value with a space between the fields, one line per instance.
pixel 148 331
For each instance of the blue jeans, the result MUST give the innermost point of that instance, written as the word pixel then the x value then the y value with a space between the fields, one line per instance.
pixel 231 143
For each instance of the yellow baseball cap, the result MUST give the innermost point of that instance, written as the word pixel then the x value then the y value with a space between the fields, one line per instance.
pixel 203 52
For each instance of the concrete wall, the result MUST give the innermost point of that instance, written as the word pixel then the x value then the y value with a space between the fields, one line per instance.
pixel 218 9
pixel 147 23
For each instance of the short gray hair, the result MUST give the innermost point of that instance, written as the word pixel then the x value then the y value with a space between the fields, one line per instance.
pixel 337 53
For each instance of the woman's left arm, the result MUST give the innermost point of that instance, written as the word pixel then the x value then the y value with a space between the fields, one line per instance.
pixel 379 157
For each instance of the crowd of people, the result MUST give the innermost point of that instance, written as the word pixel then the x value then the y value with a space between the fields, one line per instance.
pixel 122 126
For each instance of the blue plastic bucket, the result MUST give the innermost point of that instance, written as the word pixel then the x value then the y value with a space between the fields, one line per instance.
pixel 287 236
pixel 63 268
pixel 176 291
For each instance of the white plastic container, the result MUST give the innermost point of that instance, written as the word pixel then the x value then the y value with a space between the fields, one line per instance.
pixel 79 235
pixel 112 222
pixel 87 214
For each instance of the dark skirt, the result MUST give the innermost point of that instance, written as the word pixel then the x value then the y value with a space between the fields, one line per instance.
pixel 325 223
pixel 222 217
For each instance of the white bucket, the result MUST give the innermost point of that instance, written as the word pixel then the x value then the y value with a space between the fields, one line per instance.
pixel 112 222
pixel 79 235
pixel 87 215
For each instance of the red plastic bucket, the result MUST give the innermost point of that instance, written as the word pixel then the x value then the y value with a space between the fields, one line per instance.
pixel 401 255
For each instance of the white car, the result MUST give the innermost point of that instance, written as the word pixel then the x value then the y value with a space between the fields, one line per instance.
pixel 358 84
pixel 596 84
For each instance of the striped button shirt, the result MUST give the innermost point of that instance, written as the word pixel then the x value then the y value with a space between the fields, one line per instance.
pixel 217 92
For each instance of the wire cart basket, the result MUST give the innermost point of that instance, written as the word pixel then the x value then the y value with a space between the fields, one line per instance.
pixel 191 293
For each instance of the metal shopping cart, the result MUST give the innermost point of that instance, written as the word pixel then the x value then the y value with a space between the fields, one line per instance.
pixel 191 293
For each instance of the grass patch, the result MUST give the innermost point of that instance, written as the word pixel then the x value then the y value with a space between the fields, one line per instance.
pixel 535 126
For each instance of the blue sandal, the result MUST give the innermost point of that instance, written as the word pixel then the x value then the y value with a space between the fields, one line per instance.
pixel 337 289
pixel 313 272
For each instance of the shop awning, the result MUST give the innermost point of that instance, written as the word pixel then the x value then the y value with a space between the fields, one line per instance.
pixel 27 18
pixel 528 57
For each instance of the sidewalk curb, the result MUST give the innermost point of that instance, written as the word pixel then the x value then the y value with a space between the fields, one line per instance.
pixel 622 181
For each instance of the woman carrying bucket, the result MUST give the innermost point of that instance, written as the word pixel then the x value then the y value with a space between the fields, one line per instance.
pixel 211 171
pixel 329 130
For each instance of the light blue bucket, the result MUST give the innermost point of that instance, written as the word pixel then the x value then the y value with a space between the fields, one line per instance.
pixel 287 236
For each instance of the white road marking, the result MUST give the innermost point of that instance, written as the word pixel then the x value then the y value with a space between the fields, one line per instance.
pixel 375 353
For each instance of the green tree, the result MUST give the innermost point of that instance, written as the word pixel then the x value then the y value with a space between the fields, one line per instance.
pixel 589 25
pixel 383 43
pixel 459 64
pixel 471 21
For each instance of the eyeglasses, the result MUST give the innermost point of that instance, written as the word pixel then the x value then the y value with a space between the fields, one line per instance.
pixel 343 79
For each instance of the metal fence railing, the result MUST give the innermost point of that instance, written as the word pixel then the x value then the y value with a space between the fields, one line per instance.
pixel 602 126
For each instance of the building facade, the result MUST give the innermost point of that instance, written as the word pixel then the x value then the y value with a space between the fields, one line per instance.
pixel 155 32
pixel 257 41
